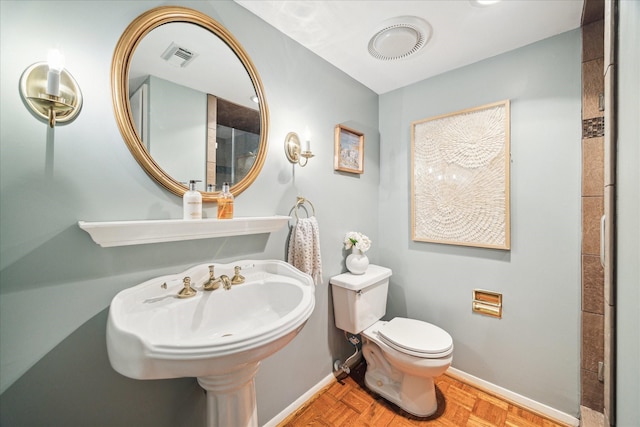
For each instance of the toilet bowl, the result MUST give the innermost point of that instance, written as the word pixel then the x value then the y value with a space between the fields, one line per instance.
pixel 405 376
pixel 403 355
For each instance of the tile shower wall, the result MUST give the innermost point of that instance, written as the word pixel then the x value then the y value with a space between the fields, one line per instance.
pixel 592 209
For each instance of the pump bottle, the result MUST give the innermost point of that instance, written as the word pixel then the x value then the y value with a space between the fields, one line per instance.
pixel 225 203
pixel 192 202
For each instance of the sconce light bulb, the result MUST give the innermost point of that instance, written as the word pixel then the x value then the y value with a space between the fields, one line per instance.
pixel 306 144
pixel 55 59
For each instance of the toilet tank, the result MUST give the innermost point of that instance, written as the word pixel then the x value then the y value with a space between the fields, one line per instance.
pixel 360 300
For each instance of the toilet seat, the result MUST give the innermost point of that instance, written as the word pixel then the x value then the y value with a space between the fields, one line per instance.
pixel 416 338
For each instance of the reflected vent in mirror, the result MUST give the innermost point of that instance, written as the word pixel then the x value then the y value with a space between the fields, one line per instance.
pixel 178 56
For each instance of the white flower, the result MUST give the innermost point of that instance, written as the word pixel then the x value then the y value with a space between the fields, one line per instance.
pixel 357 240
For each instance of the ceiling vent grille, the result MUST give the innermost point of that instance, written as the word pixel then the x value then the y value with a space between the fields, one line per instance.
pixel 399 38
pixel 178 56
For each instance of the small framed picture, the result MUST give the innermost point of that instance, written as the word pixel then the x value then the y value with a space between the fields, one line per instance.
pixel 349 150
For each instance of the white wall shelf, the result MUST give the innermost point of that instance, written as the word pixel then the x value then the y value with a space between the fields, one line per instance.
pixel 125 233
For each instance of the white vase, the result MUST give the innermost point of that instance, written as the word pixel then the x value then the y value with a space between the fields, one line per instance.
pixel 357 262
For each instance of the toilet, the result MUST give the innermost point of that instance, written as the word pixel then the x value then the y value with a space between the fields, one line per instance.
pixel 403 355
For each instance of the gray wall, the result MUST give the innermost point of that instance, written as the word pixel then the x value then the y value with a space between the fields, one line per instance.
pixel 534 349
pixel 56 284
pixel 628 205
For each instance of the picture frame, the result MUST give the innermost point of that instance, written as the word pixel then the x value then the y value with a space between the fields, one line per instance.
pixel 460 171
pixel 348 150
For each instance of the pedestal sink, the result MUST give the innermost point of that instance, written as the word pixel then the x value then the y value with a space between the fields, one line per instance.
pixel 218 336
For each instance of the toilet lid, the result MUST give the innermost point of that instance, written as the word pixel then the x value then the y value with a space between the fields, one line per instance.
pixel 416 336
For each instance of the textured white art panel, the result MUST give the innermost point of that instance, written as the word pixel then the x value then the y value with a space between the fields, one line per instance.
pixel 460 177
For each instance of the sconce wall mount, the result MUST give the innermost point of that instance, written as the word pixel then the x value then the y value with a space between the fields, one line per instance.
pixel 54 109
pixel 294 152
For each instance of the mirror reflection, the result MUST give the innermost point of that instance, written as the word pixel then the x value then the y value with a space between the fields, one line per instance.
pixel 194 106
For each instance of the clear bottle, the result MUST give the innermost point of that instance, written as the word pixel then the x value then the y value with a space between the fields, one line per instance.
pixel 192 202
pixel 225 203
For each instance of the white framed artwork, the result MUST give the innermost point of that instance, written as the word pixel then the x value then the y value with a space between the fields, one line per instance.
pixel 460 178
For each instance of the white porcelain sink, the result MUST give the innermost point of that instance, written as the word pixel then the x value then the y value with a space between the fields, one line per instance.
pixel 218 336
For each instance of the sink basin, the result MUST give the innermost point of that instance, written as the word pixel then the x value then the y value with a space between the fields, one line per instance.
pixel 218 336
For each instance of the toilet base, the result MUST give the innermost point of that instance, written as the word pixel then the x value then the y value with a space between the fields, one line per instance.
pixel 416 395
pixel 413 394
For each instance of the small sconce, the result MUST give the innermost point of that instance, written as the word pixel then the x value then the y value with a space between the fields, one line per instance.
pixel 295 151
pixel 49 91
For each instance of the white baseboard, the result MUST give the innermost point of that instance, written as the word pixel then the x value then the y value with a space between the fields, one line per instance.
pixel 300 401
pixel 509 395
pixel 516 398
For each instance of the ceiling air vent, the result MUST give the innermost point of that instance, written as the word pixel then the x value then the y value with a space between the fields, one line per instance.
pixel 178 56
pixel 399 38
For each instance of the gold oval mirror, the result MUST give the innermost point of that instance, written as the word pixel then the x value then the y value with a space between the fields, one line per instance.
pixel 189 102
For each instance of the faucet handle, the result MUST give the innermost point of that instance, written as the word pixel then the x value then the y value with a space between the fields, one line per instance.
pixel 187 291
pixel 237 278
pixel 213 283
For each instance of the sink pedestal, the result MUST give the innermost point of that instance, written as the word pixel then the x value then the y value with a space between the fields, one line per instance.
pixel 231 397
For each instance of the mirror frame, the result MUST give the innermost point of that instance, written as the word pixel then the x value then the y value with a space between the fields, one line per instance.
pixel 121 63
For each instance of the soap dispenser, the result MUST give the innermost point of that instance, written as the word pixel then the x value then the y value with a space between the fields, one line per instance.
pixel 225 203
pixel 192 202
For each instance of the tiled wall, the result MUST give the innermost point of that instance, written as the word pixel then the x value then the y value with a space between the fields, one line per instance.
pixel 592 210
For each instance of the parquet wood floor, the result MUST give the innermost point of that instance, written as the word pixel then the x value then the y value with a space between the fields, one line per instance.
pixel 349 403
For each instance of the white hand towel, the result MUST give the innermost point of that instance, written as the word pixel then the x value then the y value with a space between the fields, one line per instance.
pixel 304 248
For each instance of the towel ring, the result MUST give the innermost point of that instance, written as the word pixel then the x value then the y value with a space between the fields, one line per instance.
pixel 301 201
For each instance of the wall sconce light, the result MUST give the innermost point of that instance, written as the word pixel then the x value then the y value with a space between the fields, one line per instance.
pixel 295 150
pixel 49 91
